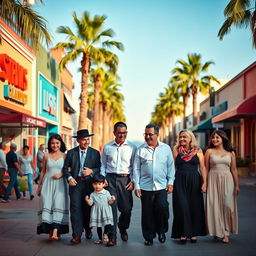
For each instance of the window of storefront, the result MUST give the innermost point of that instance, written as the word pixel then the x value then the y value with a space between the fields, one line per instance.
pixel 236 140
pixel 253 136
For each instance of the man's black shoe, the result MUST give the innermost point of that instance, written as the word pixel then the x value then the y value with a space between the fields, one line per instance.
pixel 161 238
pixel 124 235
pixel 148 243
pixel 88 234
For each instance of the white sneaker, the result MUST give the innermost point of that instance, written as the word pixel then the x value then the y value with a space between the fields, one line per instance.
pixel 5 201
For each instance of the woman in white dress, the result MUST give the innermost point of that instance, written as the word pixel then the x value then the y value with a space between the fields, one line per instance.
pixel 53 191
pixel 28 169
pixel 223 187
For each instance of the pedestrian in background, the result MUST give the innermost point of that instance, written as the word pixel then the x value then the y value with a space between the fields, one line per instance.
pixel 189 185
pixel 39 160
pixel 117 166
pixel 13 171
pixel 28 169
pixel 223 187
pixel 3 166
pixel 153 177
pixel 53 191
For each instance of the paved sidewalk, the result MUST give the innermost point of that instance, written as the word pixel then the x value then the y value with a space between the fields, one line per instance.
pixel 18 221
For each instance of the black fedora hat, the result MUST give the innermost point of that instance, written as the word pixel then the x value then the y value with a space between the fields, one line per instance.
pixel 82 133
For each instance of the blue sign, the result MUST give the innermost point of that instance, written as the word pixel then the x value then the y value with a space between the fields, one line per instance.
pixel 48 99
pixel 220 108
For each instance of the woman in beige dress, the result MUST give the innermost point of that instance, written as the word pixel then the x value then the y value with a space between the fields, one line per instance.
pixel 223 188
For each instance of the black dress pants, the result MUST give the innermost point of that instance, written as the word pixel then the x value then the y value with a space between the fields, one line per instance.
pixel 79 210
pixel 124 201
pixel 155 213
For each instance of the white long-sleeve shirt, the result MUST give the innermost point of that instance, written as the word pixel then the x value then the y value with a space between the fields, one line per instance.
pixel 153 168
pixel 3 163
pixel 118 159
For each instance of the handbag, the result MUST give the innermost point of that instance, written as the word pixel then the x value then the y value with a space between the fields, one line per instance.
pixel 23 183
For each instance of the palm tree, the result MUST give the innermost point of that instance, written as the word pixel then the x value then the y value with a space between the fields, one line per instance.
pixel 190 76
pixel 240 13
pixel 182 88
pixel 110 97
pixel 169 106
pixel 111 103
pixel 88 42
pixel 25 21
pixel 110 61
pixel 173 107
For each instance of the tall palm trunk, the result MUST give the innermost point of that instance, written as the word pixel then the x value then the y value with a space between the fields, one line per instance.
pixel 101 125
pixel 195 114
pixel 185 103
pixel 106 125
pixel 85 64
pixel 110 123
pixel 96 114
pixel 168 137
pixel 173 133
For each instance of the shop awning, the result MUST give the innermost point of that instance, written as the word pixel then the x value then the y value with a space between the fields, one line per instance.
pixel 22 119
pixel 203 125
pixel 67 106
pixel 245 108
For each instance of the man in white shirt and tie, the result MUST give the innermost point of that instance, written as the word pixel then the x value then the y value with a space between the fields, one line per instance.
pixel 117 166
pixel 153 176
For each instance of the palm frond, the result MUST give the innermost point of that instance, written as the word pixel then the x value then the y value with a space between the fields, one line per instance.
pixel 118 45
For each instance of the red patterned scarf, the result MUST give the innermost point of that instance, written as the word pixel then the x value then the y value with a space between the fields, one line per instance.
pixel 187 155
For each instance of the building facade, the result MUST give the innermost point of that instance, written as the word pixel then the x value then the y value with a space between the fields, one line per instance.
pixel 18 120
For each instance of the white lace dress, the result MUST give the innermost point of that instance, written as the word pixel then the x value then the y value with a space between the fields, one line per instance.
pixel 54 208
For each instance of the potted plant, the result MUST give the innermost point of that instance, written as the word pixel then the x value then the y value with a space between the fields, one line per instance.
pixel 243 166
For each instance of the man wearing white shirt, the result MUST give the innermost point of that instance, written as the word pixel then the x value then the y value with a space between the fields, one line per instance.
pixel 117 166
pixel 3 164
pixel 153 176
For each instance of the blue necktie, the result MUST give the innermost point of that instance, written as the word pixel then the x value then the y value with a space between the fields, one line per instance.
pixel 82 162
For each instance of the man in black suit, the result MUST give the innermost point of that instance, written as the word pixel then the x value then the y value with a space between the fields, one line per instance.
pixel 81 164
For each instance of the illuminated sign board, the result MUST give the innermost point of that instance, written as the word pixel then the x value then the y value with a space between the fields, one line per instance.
pixel 48 99
pixel 15 75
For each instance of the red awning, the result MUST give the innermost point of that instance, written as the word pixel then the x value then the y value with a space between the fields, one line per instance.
pixel 22 118
pixel 245 108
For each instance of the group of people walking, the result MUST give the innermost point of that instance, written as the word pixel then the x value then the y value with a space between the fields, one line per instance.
pixel 101 185
pixel 22 165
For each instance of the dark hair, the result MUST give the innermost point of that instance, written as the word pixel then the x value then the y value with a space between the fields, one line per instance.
pixel 119 124
pixel 225 140
pixel 156 127
pixel 26 147
pixel 98 178
pixel 56 137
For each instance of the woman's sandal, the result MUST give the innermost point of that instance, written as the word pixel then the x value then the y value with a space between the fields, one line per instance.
pixel 98 242
pixel 183 240
pixel 225 240
pixel 193 240
pixel 105 238
pixel 54 238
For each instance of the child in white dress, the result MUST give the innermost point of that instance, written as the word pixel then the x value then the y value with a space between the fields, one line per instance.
pixel 101 212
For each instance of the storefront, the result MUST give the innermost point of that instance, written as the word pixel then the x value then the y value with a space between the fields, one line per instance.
pixel 240 116
pixel 17 91
pixel 48 108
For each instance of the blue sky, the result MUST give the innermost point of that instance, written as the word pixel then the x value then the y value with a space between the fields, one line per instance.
pixel 155 34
